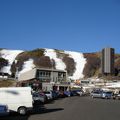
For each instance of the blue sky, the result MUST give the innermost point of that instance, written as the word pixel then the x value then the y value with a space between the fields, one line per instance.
pixel 77 25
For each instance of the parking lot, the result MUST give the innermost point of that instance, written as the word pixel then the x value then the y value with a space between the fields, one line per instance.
pixel 73 108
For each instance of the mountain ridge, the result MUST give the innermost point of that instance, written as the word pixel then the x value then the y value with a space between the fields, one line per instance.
pixel 78 65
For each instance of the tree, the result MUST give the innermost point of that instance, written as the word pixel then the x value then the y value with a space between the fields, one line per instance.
pixel 3 62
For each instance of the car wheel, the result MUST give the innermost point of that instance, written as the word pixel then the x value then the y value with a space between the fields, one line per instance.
pixel 92 96
pixel 106 97
pixel 22 110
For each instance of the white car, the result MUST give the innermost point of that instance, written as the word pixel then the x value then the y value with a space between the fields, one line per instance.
pixel 49 95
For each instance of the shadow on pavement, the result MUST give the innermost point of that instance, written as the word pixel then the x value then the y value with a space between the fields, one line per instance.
pixel 38 109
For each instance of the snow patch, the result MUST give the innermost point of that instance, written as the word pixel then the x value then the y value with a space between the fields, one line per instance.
pixel 80 63
pixel 60 65
pixel 9 55
pixel 28 65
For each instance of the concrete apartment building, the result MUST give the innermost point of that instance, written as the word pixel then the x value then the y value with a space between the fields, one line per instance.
pixel 43 78
pixel 107 61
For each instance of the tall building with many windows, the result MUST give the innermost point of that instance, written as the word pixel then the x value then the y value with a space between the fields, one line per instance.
pixel 108 61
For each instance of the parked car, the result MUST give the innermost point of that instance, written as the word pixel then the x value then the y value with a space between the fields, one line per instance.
pixel 55 94
pixel 61 94
pixel 80 93
pixel 4 110
pixel 74 93
pixel 77 92
pixel 96 94
pixel 67 93
pixel 116 96
pixel 38 97
pixel 107 94
pixel 49 95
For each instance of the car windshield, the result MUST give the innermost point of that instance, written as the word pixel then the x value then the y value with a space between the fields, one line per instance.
pixel 97 92
pixel 108 92
pixel 47 92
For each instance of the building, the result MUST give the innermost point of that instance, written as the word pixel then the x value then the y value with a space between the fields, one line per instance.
pixel 107 61
pixel 43 78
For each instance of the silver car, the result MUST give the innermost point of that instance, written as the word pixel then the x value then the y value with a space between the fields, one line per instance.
pixel 96 94
pixel 38 97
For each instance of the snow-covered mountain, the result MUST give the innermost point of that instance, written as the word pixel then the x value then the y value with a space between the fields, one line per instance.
pixel 9 55
pixel 26 60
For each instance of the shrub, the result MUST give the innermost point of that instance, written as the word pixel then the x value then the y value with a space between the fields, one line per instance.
pixel 36 53
pixel 3 62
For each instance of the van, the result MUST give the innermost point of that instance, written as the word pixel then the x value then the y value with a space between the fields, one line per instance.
pixel 18 99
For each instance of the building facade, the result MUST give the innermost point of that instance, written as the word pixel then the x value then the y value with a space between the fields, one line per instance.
pixel 43 78
pixel 108 61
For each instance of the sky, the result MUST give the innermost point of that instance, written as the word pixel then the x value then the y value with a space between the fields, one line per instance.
pixel 75 25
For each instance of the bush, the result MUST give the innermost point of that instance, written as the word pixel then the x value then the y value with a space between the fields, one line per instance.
pixel 36 53
pixel 3 62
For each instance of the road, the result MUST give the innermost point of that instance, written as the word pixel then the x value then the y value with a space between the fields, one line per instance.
pixel 74 108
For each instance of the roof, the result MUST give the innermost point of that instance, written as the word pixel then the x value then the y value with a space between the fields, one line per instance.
pixel 48 69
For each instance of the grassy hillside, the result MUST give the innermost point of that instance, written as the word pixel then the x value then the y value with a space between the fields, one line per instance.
pixel 7 83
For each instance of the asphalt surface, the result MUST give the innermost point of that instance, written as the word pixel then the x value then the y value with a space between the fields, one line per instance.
pixel 73 108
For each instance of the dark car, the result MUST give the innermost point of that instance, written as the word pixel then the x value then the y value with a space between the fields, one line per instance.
pixel 67 93
pixel 74 92
pixel 61 94
pixel 4 110
pixel 77 92
pixel 55 94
